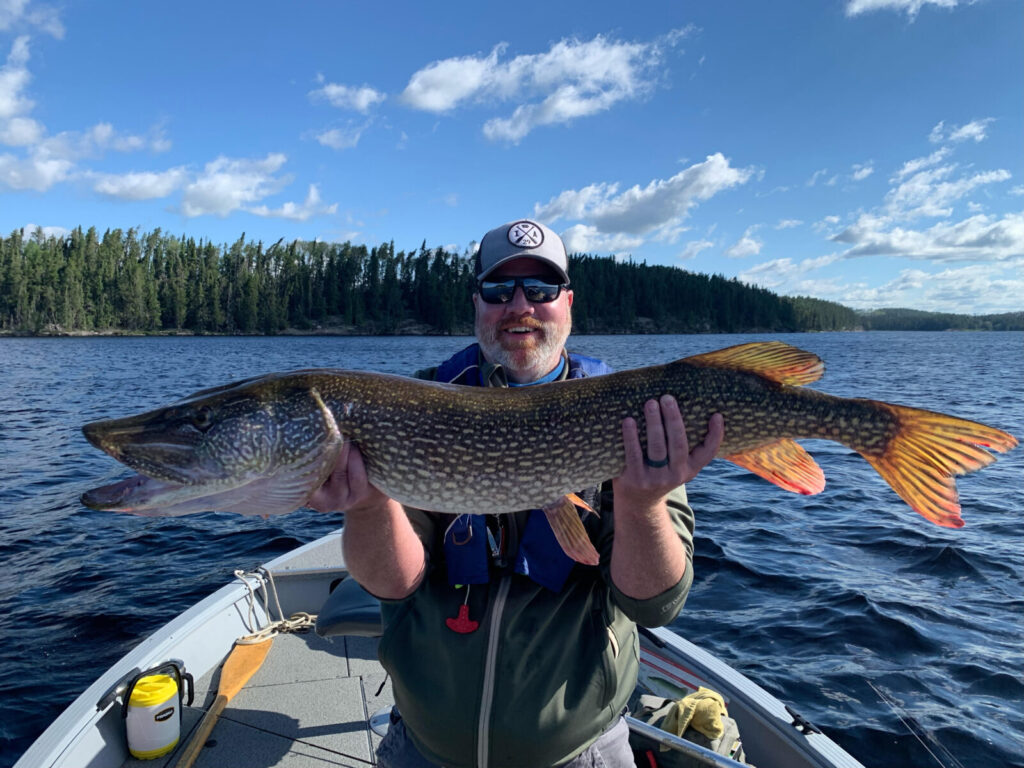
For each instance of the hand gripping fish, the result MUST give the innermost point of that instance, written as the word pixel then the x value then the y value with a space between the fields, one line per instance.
pixel 263 445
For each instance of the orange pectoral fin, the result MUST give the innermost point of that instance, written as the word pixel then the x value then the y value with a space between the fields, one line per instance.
pixel 569 531
pixel 785 464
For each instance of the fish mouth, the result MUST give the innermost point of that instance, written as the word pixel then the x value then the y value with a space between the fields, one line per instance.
pixel 141 495
pixel 127 495
pixel 153 451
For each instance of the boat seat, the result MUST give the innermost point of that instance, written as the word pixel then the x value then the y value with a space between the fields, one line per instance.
pixel 349 610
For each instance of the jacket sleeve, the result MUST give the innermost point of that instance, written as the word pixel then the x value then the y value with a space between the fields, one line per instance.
pixel 428 374
pixel 661 609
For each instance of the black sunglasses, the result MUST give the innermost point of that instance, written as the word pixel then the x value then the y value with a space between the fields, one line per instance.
pixel 535 290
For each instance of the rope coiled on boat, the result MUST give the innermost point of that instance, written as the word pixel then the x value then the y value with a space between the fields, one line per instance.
pixel 297 622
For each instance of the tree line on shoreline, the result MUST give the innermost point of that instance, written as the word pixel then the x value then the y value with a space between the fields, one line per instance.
pixel 135 282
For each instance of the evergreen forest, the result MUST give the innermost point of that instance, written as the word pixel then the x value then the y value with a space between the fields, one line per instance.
pixel 134 282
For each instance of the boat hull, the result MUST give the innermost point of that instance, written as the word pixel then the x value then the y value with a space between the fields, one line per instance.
pixel 90 732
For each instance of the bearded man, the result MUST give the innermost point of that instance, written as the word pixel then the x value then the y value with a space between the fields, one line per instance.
pixel 502 650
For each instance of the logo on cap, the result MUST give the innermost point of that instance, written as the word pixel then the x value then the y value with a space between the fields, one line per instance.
pixel 525 234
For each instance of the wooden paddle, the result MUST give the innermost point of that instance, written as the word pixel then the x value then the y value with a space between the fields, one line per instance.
pixel 241 664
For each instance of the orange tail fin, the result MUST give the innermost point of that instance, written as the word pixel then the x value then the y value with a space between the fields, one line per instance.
pixel 929 450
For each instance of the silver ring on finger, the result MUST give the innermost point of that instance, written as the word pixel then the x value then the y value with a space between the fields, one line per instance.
pixel 656 463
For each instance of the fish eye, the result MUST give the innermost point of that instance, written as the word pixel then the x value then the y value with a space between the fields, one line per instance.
pixel 202 418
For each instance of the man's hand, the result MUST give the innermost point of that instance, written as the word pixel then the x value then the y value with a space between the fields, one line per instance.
pixel 669 462
pixel 648 557
pixel 382 551
pixel 348 487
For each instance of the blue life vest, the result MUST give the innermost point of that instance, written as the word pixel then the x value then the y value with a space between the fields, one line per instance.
pixel 466 540
pixel 464 367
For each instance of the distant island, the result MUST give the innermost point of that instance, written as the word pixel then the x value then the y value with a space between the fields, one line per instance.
pixel 127 282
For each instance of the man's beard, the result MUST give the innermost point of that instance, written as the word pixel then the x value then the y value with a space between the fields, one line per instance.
pixel 529 358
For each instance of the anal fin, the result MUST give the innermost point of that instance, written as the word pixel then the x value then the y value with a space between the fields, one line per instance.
pixel 568 528
pixel 785 464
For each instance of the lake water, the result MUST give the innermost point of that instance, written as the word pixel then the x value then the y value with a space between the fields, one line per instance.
pixel 812 597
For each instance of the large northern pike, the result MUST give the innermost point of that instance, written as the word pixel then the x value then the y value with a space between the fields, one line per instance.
pixel 263 445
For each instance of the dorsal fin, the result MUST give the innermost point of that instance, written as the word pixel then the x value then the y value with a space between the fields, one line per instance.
pixel 771 359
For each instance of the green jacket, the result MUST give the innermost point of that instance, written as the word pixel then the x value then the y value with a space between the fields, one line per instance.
pixel 543 673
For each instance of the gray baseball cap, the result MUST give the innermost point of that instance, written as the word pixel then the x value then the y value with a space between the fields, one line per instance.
pixel 522 237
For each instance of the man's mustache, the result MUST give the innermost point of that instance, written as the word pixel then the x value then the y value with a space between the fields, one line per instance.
pixel 524 322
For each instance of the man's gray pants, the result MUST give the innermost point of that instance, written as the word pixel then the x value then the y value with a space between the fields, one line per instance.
pixel 611 750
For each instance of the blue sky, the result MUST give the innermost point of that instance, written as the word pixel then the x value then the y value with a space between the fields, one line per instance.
pixel 861 151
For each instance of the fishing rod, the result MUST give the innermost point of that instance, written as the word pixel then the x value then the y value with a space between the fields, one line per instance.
pixel 918 731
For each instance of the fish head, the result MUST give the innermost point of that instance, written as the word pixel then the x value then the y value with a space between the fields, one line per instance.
pixel 220 440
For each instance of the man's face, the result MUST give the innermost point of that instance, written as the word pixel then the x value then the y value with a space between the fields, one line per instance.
pixel 523 337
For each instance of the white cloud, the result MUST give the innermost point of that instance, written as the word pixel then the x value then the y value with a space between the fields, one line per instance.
pixel 748 245
pixel 14 77
pixel 358 98
pixel 565 104
pixel 227 185
pixel 932 193
pixel 440 86
pixel 40 171
pixel 980 256
pixel 975 289
pixel 862 170
pixel 910 7
pixel 979 238
pixel 310 207
pixel 786 275
pixel 29 230
pixel 341 138
pixel 826 224
pixel 21 132
pixel 103 136
pixel 973 130
pixel 21 13
pixel 47 160
pixel 821 174
pixel 573 79
pixel 976 130
pixel 50 160
pixel 788 223
pixel 694 247
pixel 140 185
pixel 920 163
pixel 584 238
pixel 660 205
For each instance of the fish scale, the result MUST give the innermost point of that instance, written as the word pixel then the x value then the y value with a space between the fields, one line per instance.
pixel 450 448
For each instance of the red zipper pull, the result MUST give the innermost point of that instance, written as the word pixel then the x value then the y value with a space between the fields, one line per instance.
pixel 462 624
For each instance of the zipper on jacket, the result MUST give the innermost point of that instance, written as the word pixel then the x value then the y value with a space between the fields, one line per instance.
pixel 490 671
